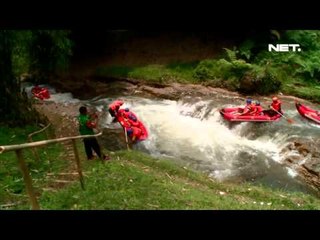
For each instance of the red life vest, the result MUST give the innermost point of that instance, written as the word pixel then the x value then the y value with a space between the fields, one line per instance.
pixel 134 123
pixel 276 105
pixel 136 132
pixel 252 109
pixel 248 109
pixel 259 110
pixel 129 115
pixel 121 112
pixel 123 121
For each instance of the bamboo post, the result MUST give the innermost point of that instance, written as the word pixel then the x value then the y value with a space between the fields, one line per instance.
pixel 126 136
pixel 76 155
pixel 27 180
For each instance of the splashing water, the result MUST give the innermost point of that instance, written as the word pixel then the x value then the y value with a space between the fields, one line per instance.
pixel 193 133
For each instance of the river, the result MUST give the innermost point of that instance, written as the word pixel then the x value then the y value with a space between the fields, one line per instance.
pixel 192 133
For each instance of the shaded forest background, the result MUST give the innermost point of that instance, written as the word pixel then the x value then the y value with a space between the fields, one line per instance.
pixel 234 59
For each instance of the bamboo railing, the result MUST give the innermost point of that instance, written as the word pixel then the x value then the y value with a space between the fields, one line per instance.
pixel 25 171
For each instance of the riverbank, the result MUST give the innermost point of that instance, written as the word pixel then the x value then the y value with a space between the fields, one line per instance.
pixel 132 180
pixel 184 73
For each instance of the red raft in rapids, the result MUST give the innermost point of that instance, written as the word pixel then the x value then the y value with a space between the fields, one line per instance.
pixel 230 114
pixel 125 125
pixel 308 113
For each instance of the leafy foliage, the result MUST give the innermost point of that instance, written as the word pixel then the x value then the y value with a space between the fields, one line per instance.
pixel 237 74
pixel 49 51
pixel 304 64
pixel 249 67
pixel 39 52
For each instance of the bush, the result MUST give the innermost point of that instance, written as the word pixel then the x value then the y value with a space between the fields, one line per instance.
pixel 260 81
pixel 205 70
pixel 201 72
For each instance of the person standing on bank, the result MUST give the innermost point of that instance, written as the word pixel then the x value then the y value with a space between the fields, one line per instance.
pixel 86 126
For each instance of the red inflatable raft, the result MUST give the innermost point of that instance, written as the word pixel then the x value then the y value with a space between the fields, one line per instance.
pixel 40 92
pixel 230 114
pixel 140 125
pixel 144 130
pixel 308 113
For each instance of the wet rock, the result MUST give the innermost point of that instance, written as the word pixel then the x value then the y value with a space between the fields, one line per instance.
pixel 167 92
pixel 304 150
pixel 113 139
pixel 287 148
pixel 313 166
pixel 309 171
pixel 293 159
pixel 297 144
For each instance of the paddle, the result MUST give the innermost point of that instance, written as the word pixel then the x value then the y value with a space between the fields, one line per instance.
pixel 288 119
pixel 125 133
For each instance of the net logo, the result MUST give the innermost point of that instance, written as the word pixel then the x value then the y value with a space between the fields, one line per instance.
pixel 284 48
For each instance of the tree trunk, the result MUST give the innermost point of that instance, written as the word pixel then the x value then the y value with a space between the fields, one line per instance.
pixel 14 106
pixel 8 87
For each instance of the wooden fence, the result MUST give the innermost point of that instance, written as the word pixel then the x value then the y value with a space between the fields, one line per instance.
pixel 24 169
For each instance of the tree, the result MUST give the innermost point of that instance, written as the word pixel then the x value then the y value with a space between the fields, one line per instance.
pixel 39 52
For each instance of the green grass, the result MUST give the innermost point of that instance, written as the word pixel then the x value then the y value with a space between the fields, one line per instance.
pixel 175 72
pixel 12 188
pixel 133 180
pixel 302 89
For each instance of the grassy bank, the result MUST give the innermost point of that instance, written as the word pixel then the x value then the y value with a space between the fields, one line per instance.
pixel 131 180
pixel 155 73
pixel 248 67
pixel 12 188
pixel 301 89
pixel 186 73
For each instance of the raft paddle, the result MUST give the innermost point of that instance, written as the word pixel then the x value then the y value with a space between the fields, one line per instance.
pixel 125 133
pixel 288 119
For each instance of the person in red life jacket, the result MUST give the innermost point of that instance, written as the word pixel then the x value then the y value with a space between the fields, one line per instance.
pixel 275 107
pixel 124 122
pixel 86 125
pixel 259 109
pixel 114 107
pixel 253 109
pixel 129 115
pixel 134 133
pixel 276 104
pixel 248 109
